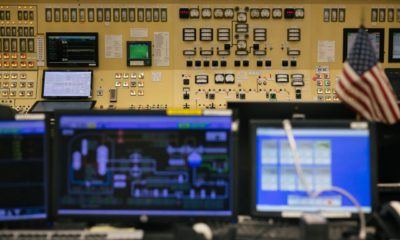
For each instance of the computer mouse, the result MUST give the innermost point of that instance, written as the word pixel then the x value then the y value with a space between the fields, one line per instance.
pixel 204 229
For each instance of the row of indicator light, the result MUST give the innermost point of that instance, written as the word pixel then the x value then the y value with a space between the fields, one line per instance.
pixel 127 75
pixel 6 93
pixel 132 84
pixel 15 84
pixel 12 75
pixel 13 55
pixel 15 64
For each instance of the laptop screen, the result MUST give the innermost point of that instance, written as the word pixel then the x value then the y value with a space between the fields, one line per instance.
pixel 22 170
pixel 120 165
pixel 67 84
pixel 331 154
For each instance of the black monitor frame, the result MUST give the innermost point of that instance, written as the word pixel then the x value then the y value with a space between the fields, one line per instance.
pixel 42 222
pixel 381 31
pixel 131 219
pixel 312 124
pixel 67 97
pixel 69 64
pixel 392 32
pixel 138 62
pixel 245 111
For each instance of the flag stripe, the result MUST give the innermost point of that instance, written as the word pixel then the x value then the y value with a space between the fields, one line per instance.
pixel 361 90
pixel 354 96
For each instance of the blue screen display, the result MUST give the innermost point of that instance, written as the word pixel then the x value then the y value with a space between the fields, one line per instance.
pixel 144 165
pixel 22 170
pixel 329 157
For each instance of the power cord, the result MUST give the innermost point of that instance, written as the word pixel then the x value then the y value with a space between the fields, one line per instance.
pixel 297 162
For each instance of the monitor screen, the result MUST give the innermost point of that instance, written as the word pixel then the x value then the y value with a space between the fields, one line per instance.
pixel 22 170
pixel 139 53
pixel 332 154
pixel 126 165
pixel 394 45
pixel 274 110
pixel 72 49
pixel 67 84
pixel 377 36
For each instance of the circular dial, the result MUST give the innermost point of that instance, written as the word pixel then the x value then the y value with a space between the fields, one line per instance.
pixel 241 44
pixel 242 17
pixel 254 13
pixel 277 13
pixel 218 13
pixel 229 78
pixel 194 13
pixel 265 13
pixel 228 13
pixel 219 78
pixel 206 12
pixel 299 13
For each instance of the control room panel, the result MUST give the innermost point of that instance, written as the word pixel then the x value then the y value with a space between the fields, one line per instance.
pixel 186 54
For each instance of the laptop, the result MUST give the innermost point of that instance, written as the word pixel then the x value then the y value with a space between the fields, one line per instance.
pixel 333 153
pixel 65 89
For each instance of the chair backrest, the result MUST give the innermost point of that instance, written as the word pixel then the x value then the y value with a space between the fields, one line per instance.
pixel 7 113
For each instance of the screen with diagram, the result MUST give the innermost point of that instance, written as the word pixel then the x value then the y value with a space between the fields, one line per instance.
pixel 330 157
pixel 144 165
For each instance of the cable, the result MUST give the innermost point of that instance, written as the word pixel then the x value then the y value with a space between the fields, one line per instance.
pixel 292 143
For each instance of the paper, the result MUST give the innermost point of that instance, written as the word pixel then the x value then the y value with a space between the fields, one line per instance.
pixel 113 46
pixel 139 32
pixel 161 49
pixel 326 51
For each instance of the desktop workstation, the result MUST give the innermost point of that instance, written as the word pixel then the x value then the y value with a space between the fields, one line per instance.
pixel 162 173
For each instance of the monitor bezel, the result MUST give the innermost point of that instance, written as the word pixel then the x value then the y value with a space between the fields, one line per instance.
pixel 43 221
pixel 246 110
pixel 254 124
pixel 136 219
pixel 66 71
pixel 392 31
pixel 147 62
pixel 69 64
pixel 381 31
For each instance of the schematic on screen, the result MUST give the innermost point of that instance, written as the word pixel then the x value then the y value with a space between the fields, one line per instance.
pixel 152 165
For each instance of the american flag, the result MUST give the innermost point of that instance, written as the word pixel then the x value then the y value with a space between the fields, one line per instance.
pixel 364 85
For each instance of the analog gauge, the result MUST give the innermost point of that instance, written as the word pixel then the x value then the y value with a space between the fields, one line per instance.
pixel 299 13
pixel 218 13
pixel 229 78
pixel 242 17
pixel 265 13
pixel 228 13
pixel 254 13
pixel 241 44
pixel 206 12
pixel 194 13
pixel 219 78
pixel 277 13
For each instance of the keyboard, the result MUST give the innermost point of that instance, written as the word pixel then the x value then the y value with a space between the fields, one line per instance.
pixel 69 235
pixel 256 230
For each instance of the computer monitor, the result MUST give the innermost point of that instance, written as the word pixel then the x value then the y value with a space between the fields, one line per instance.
pixel 376 35
pixel 22 170
pixel 245 111
pixel 332 154
pixel 142 166
pixel 67 84
pixel 394 45
pixel 72 49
